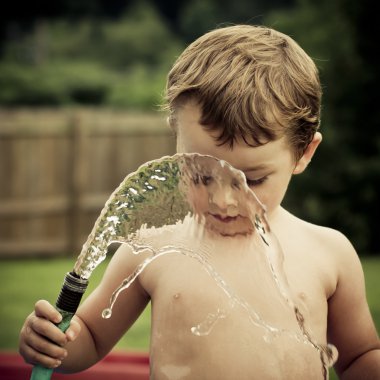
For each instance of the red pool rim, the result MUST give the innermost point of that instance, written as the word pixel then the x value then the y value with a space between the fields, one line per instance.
pixel 115 366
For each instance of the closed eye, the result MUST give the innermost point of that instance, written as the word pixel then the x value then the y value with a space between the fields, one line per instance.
pixel 206 179
pixel 256 182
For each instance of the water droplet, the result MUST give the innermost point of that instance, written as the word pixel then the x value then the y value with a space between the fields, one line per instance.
pixel 208 324
pixel 330 355
pixel 267 338
pixel 107 313
pixel 195 330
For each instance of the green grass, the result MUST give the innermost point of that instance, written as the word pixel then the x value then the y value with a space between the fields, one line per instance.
pixel 371 267
pixel 25 281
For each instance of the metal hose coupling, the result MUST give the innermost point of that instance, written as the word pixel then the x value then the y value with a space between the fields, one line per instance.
pixel 71 292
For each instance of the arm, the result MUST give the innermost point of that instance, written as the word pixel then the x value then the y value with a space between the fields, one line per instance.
pixel 350 325
pixel 89 337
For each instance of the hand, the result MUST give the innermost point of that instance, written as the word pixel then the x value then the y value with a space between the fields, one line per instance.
pixel 41 341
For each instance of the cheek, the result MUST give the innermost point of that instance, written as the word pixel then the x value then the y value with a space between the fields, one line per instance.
pixel 263 195
pixel 274 199
pixel 198 199
pixel 271 194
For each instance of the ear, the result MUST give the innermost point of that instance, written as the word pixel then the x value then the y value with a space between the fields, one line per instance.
pixel 308 154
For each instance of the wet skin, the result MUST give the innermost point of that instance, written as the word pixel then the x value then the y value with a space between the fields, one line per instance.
pixel 321 266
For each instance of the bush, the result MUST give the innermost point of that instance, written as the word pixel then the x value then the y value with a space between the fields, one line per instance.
pixel 120 63
pixel 28 86
pixel 138 88
pixel 53 84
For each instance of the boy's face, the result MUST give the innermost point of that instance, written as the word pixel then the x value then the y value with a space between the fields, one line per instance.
pixel 217 193
pixel 268 168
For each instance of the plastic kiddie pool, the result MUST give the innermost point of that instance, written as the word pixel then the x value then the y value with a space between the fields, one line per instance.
pixel 115 366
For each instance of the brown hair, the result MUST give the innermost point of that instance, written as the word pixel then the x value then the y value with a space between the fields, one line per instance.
pixel 251 82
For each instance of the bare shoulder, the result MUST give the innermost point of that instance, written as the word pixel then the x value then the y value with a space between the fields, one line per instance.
pixel 325 251
pixel 335 244
pixel 338 247
pixel 350 326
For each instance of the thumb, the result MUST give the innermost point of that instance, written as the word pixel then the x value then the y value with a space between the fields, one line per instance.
pixel 74 329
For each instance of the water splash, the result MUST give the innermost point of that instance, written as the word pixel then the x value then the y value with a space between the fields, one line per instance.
pixel 205 327
pixel 147 197
pixel 193 206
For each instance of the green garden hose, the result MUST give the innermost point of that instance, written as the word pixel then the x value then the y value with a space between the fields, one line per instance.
pixel 67 304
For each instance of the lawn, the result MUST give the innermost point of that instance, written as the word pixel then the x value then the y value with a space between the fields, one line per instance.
pixel 25 281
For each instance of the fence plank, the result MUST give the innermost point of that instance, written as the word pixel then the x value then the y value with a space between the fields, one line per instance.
pixel 58 167
pixel 33 207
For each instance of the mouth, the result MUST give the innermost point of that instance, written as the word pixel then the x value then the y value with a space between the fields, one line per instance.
pixel 229 226
pixel 224 218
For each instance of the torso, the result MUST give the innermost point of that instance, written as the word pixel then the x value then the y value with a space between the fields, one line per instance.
pixel 214 321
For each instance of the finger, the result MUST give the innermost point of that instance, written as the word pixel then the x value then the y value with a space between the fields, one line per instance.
pixel 32 356
pixel 31 341
pixel 41 343
pixel 73 331
pixel 44 309
pixel 46 329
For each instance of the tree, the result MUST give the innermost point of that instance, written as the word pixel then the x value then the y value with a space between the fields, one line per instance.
pixel 340 190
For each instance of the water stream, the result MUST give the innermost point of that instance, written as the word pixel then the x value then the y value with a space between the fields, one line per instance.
pixel 196 207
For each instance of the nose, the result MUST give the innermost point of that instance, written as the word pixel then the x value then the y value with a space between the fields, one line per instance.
pixel 223 201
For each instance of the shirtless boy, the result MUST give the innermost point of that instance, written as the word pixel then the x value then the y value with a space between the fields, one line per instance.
pixel 250 96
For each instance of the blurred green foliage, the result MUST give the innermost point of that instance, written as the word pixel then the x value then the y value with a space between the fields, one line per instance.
pixel 117 54
pixel 54 84
pixel 340 188
pixel 121 63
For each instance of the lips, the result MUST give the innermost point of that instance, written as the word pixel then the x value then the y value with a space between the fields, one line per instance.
pixel 224 219
pixel 225 225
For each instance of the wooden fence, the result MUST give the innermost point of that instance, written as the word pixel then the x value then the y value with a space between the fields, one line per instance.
pixel 58 167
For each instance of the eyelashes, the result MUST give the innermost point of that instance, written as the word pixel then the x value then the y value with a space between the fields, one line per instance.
pixel 206 180
pixel 256 182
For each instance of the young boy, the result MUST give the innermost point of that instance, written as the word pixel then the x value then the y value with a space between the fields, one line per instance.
pixel 250 96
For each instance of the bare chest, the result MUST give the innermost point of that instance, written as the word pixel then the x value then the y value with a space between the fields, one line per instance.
pixel 225 321
pixel 197 296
